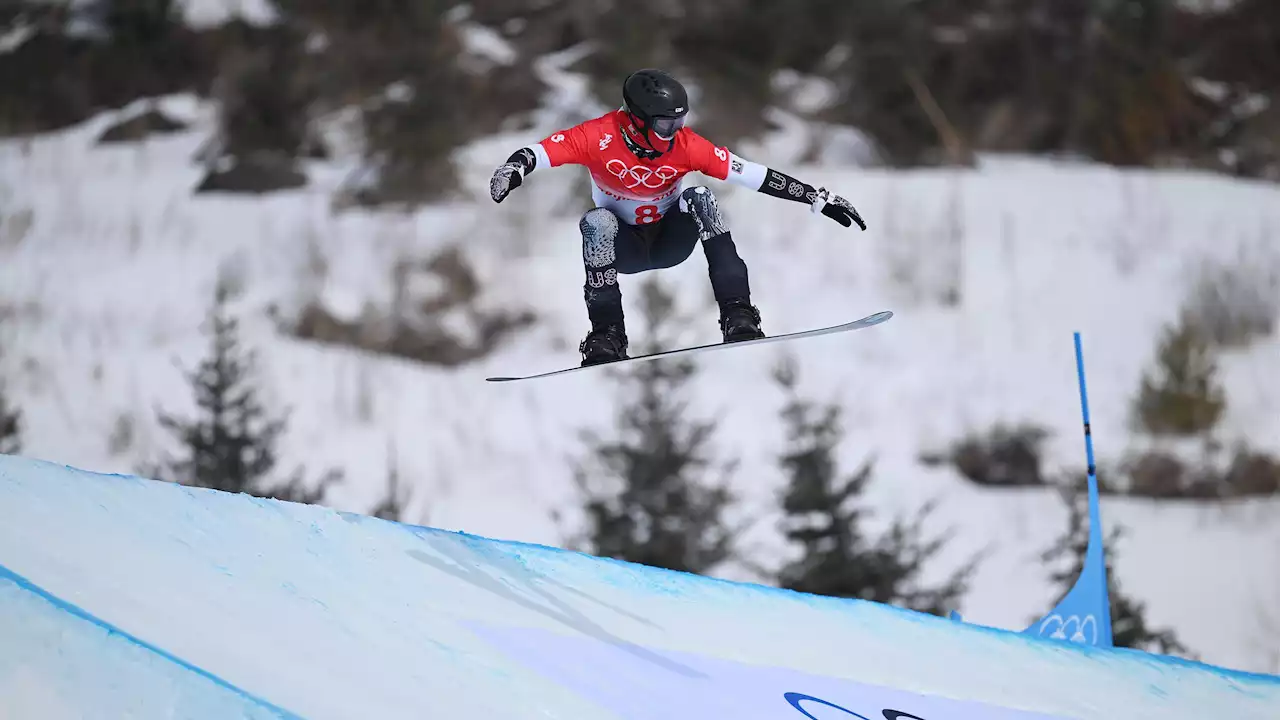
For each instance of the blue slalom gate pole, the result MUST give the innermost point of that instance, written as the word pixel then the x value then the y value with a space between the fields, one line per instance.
pixel 1094 558
pixel 1084 614
pixel 1084 411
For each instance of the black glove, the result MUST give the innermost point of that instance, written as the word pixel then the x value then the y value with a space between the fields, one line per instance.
pixel 836 208
pixel 510 174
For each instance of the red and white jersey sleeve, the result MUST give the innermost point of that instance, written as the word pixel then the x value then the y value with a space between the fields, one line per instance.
pixel 722 164
pixel 706 157
pixel 564 147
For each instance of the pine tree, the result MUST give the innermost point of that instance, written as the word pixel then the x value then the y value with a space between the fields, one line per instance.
pixel 1128 615
pixel 1183 396
pixel 646 495
pixel 232 445
pixel 10 426
pixel 838 559
pixel 392 504
pixel 140 24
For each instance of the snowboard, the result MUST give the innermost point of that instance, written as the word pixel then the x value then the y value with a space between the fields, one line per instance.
pixel 868 321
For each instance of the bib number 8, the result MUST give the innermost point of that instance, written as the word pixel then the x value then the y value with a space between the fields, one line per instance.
pixel 646 214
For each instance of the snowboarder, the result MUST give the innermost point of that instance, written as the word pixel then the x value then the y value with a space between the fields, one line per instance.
pixel 638 156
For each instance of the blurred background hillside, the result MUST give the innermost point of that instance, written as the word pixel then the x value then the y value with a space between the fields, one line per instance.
pixel 247 244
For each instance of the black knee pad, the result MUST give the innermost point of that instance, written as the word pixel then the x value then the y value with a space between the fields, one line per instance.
pixel 599 228
pixel 701 203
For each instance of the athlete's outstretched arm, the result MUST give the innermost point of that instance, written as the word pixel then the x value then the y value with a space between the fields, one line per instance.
pixel 720 163
pixel 561 148
pixel 781 185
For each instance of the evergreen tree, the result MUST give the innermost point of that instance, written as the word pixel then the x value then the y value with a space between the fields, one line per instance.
pixel 10 426
pixel 10 423
pixel 1128 616
pixel 140 24
pixel 231 446
pixel 646 495
pixel 393 502
pixel 838 559
pixel 1183 396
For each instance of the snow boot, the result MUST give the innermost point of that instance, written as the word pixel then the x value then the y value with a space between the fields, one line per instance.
pixel 605 343
pixel 739 320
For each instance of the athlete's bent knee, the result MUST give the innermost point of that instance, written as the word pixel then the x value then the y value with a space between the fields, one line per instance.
pixel 599 228
pixel 701 203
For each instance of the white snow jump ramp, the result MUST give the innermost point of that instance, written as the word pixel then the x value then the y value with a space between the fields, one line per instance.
pixel 123 597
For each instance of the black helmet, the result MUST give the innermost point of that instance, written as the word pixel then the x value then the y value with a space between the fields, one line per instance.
pixel 656 102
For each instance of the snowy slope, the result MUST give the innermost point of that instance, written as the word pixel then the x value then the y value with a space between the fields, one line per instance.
pixel 105 293
pixel 211 605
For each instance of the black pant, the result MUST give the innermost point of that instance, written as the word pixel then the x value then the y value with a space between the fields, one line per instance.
pixel 611 247
pixel 662 244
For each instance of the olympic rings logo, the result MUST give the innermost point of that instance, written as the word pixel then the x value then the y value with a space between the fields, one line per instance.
pixel 641 176
pixel 1072 628
pixel 795 699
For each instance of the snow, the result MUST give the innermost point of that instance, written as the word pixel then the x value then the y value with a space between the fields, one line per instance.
pixel 212 13
pixel 1207 6
pixel 486 43
pixel 808 94
pixel 198 14
pixel 14 38
pixel 123 596
pixel 104 297
pixel 56 664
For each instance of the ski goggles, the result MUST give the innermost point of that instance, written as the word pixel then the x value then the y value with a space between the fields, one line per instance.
pixel 666 127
